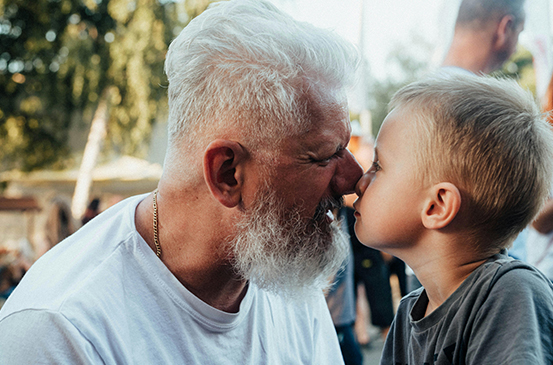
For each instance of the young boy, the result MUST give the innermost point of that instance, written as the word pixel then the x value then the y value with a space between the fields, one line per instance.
pixel 461 165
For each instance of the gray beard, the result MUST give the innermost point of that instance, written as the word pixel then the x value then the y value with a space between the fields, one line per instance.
pixel 282 252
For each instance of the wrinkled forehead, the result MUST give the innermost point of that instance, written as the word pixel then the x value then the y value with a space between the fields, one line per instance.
pixel 322 120
pixel 323 105
pixel 325 129
pixel 327 117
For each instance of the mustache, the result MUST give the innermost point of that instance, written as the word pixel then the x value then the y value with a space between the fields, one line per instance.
pixel 326 205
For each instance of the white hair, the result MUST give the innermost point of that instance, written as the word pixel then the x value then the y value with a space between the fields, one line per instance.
pixel 280 251
pixel 245 67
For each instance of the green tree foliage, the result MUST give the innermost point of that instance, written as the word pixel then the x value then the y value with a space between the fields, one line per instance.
pixel 521 68
pixel 32 124
pixel 59 57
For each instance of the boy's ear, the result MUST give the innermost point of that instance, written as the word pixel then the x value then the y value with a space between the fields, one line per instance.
pixel 442 206
pixel 223 164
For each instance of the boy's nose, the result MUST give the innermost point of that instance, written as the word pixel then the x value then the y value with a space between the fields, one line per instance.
pixel 363 183
pixel 347 173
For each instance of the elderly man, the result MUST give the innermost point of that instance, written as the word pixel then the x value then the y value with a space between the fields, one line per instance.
pixel 225 261
pixel 486 35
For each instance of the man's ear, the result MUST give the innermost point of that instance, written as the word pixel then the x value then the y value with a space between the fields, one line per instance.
pixel 503 31
pixel 224 170
pixel 442 206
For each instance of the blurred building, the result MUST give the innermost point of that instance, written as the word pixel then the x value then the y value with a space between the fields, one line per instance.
pixel 35 206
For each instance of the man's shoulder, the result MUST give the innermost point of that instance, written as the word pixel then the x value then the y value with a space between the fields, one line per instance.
pixel 81 264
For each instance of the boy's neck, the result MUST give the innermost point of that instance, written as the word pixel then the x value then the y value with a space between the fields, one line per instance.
pixel 441 269
pixel 441 283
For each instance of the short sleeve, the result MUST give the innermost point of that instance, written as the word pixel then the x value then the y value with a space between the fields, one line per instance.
pixel 54 340
pixel 515 323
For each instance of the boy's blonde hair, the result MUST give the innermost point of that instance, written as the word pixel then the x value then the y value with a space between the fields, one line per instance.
pixel 488 137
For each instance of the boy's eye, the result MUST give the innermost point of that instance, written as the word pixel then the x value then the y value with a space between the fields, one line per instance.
pixel 375 167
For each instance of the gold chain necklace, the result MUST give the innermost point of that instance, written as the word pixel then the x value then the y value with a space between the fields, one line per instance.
pixel 156 239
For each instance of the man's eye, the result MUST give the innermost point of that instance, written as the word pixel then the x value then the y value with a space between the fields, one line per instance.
pixel 326 161
pixel 323 161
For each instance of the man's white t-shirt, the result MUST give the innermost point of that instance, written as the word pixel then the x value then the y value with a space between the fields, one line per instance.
pixel 102 296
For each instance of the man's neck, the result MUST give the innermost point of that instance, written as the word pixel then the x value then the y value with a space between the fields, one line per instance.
pixel 219 287
pixel 192 250
pixel 470 52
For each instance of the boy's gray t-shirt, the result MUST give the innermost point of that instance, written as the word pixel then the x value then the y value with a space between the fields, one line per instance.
pixel 501 314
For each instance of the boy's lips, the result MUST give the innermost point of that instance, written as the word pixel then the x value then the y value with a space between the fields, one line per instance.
pixel 355 207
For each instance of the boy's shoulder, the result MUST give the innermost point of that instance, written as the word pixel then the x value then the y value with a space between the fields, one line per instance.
pixel 513 311
pixel 503 309
pixel 502 270
pixel 499 276
pixel 503 281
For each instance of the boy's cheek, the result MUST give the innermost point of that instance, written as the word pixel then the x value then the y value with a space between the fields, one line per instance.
pixel 357 229
pixel 360 230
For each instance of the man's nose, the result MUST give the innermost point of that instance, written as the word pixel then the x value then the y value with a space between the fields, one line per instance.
pixel 348 172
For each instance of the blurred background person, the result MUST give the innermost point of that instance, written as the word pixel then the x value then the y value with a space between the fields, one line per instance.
pixel 91 211
pixel 548 101
pixel 486 34
pixel 14 263
pixel 539 240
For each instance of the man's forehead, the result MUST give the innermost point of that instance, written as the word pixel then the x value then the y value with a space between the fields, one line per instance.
pixel 329 136
pixel 320 139
pixel 325 104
